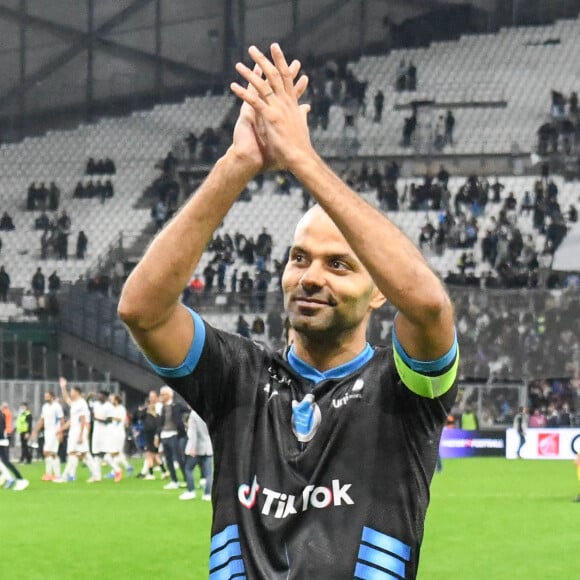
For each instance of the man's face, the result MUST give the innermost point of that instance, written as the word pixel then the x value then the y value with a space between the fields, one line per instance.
pixel 327 290
pixel 48 397
pixel 164 396
pixel 153 398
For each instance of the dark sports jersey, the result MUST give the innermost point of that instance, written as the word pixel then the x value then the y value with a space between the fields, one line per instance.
pixel 317 475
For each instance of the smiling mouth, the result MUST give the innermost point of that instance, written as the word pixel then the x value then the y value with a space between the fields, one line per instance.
pixel 313 302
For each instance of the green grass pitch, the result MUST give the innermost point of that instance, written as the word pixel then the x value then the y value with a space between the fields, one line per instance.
pixel 489 519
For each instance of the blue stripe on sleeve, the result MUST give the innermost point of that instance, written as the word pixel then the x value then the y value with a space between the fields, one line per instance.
pixel 364 572
pixel 431 366
pixel 385 542
pixel 193 356
pixel 229 551
pixel 232 569
pixel 382 560
pixel 223 537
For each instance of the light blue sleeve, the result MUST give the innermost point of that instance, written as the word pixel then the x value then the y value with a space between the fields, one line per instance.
pixel 192 358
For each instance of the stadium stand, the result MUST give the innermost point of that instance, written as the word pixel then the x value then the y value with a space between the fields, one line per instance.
pixel 499 103
pixel 135 143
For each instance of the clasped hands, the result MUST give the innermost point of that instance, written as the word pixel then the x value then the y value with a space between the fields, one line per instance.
pixel 272 130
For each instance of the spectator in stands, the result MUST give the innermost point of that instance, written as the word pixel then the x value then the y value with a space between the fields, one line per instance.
pixel 38 283
pixel 572 214
pixel 246 290
pixel 411 80
pixel 4 284
pixel 159 214
pixel 6 223
pixel 109 167
pixel 409 128
pixel 379 102
pixel 196 285
pixel 91 167
pixel 54 282
pixel 497 188
pixel 79 191
pixel 264 245
pixel 64 221
pixel 242 327
pixel 221 275
pixel 191 142
pixel 426 235
pixel 275 326
pixel 261 283
pixel 42 222
pixel 61 244
pixel 538 419
pixel 53 196
pixel 82 245
pixel 401 76
pixel 209 273
pixel 31 197
pixel 258 326
pixel 449 127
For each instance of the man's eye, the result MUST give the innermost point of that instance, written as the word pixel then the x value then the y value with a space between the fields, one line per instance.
pixel 338 265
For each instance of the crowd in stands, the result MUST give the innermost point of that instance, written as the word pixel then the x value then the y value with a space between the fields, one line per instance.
pixel 42 197
pixel 335 84
pixel 6 222
pixel 406 76
pixel 510 256
pixel 99 189
pixel 439 136
pixel 247 289
pixel 554 402
pixel 100 167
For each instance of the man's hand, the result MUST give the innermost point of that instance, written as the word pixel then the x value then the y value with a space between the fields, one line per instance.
pixel 270 109
pixel 62 382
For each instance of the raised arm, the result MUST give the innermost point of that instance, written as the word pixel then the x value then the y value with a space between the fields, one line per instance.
pixel 424 325
pixel 149 304
pixel 64 391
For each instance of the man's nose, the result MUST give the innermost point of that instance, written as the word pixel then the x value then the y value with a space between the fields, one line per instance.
pixel 313 277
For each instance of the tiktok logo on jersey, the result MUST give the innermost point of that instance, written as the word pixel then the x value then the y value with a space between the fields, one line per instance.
pixel 281 505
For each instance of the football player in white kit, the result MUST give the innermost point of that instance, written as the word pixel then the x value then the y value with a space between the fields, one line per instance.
pixel 102 410
pixel 118 435
pixel 78 435
pixel 52 420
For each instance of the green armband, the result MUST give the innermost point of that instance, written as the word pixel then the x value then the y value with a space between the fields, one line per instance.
pixel 424 385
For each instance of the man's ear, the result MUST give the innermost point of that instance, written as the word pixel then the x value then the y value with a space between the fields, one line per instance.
pixel 377 299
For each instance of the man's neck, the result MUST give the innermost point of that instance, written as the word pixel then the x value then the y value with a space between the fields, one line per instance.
pixel 324 354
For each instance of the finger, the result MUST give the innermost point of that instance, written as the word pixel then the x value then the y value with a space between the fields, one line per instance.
pixel 259 84
pixel 257 71
pixel 282 67
pixel 248 96
pixel 270 71
pixel 301 86
pixel 295 68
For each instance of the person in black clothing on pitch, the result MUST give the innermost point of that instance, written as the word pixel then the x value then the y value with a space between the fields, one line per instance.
pixel 324 452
